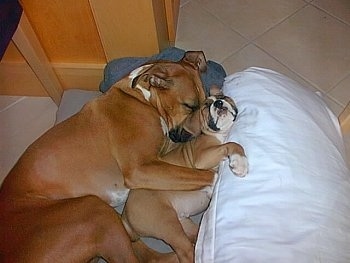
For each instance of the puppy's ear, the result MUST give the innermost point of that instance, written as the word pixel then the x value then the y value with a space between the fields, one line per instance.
pixel 196 59
pixel 215 90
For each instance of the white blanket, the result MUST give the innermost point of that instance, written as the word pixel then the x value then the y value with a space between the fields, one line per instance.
pixel 294 204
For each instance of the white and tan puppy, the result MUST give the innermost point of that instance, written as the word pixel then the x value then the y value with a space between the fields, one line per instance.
pixel 56 203
pixel 166 215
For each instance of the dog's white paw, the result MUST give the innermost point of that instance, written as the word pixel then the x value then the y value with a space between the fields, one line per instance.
pixel 239 164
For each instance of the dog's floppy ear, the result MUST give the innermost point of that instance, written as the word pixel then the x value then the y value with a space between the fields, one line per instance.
pixel 157 81
pixel 196 59
pixel 152 79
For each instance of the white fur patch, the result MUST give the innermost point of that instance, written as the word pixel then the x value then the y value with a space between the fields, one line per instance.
pixel 118 197
pixel 239 164
pixel 146 93
pixel 136 72
pixel 164 126
pixel 133 74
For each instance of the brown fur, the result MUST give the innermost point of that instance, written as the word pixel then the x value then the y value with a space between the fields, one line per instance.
pixel 55 202
pixel 166 215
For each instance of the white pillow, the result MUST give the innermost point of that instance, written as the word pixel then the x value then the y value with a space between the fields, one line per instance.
pixel 294 204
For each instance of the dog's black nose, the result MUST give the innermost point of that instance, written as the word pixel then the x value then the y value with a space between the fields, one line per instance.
pixel 218 104
pixel 180 135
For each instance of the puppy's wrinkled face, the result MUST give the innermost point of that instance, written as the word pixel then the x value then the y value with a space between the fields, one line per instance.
pixel 216 115
pixel 219 113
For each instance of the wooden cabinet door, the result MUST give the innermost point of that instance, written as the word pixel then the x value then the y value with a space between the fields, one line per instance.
pixel 79 37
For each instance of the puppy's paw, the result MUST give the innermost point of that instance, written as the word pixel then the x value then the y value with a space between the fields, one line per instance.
pixel 239 164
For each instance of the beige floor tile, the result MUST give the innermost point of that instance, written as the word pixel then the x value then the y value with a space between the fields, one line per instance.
pixel 183 2
pixel 338 8
pixel 341 92
pixel 252 56
pixel 312 43
pixel 251 17
pixel 199 30
pixel 21 124
pixel 23 115
pixel 8 101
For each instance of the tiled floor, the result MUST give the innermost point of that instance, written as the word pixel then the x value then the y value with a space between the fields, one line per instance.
pixel 306 40
pixel 22 120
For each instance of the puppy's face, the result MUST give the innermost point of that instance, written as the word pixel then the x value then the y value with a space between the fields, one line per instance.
pixel 216 115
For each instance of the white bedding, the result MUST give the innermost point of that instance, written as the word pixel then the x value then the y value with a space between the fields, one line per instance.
pixel 294 204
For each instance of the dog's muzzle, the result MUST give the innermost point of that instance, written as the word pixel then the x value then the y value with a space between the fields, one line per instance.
pixel 219 104
pixel 180 135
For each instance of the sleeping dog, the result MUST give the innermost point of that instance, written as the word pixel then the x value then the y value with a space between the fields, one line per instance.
pixel 56 203
pixel 166 215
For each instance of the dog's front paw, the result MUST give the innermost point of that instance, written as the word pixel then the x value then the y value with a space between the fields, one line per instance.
pixel 239 164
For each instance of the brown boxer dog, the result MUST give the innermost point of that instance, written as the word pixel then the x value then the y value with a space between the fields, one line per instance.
pixel 56 203
pixel 166 215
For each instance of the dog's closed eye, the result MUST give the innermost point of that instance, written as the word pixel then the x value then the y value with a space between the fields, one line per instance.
pixel 191 107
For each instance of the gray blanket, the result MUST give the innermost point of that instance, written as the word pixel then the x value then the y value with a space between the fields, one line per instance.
pixel 118 68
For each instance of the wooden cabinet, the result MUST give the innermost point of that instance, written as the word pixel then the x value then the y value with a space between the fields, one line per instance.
pixel 79 37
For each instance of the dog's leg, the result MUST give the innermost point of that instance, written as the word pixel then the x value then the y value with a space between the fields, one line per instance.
pixel 160 175
pixel 113 243
pixel 190 228
pixel 96 224
pixel 141 212
pixel 70 230
pixel 211 156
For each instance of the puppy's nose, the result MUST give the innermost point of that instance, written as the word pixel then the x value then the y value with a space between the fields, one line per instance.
pixel 218 104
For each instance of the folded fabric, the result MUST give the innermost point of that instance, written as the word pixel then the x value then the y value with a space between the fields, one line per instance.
pixel 293 206
pixel 118 68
